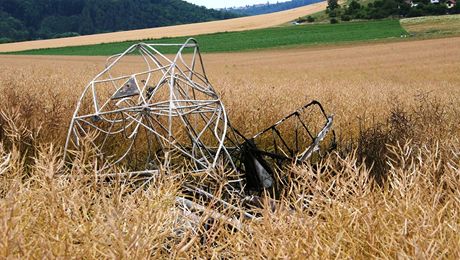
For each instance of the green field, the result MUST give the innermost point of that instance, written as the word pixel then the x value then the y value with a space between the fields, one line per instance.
pixel 433 26
pixel 255 39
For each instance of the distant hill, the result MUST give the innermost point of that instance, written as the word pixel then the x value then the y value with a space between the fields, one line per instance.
pixel 22 20
pixel 269 8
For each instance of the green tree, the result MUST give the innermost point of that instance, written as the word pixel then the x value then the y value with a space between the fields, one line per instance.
pixel 332 5
pixel 53 25
pixel 333 8
pixel 353 9
pixel 86 22
pixel 12 29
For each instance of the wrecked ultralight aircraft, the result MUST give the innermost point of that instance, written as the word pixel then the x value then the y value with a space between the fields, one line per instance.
pixel 164 114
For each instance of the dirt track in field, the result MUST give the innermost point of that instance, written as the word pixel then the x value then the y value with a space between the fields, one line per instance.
pixel 238 24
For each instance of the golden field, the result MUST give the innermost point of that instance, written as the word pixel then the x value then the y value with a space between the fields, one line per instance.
pixel 230 25
pixel 396 108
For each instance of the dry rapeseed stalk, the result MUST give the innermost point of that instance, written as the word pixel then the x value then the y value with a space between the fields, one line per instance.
pixel 330 210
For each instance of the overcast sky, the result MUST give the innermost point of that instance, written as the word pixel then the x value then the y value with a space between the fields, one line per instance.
pixel 230 3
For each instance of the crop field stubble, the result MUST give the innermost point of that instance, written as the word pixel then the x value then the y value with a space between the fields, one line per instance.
pixel 396 108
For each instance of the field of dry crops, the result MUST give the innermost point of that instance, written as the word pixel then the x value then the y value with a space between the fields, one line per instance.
pixel 391 190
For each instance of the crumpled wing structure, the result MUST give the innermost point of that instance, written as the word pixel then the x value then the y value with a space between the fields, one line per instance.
pixel 147 112
pixel 160 114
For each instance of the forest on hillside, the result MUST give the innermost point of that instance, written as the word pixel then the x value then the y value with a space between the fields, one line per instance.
pixel 269 8
pixel 42 19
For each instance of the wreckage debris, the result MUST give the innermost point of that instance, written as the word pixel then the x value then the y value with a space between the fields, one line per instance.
pixel 165 114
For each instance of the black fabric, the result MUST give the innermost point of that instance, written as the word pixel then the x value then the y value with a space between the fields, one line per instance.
pixel 254 178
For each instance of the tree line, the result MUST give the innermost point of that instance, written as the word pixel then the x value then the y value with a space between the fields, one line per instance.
pixel 270 8
pixel 42 19
pixel 380 9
